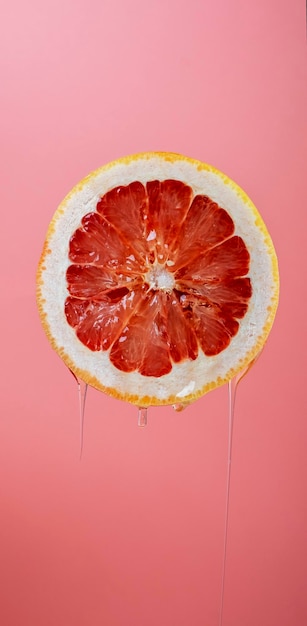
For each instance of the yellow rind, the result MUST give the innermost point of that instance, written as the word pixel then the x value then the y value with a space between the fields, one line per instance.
pixel 244 363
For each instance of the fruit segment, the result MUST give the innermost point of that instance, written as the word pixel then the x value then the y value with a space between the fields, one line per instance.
pixel 168 204
pixel 206 225
pixel 157 334
pixel 99 243
pixel 229 259
pixel 155 276
pixel 125 208
pixel 99 323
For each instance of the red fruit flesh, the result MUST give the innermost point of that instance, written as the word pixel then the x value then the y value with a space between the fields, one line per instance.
pixel 156 276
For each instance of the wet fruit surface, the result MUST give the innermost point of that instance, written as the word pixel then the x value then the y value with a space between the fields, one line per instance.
pixel 156 275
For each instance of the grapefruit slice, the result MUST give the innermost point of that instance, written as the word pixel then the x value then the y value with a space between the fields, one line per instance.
pixel 158 280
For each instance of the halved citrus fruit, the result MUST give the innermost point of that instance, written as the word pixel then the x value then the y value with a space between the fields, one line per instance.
pixel 158 279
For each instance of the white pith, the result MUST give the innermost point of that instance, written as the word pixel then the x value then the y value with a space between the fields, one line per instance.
pixel 186 378
pixel 158 277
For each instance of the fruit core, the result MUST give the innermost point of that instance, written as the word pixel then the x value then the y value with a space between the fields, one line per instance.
pixel 158 277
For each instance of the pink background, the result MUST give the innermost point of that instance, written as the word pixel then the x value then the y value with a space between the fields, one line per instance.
pixel 133 535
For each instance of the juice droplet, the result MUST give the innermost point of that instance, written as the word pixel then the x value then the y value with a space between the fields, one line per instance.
pixel 142 416
pixel 179 406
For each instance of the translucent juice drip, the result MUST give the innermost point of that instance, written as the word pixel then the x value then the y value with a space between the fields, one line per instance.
pixel 82 391
pixel 142 416
pixel 232 390
pixel 232 387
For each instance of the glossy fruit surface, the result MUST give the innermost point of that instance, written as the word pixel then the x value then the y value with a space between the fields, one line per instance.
pixel 158 280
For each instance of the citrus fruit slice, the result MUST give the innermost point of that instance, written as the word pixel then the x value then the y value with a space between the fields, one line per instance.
pixel 158 279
